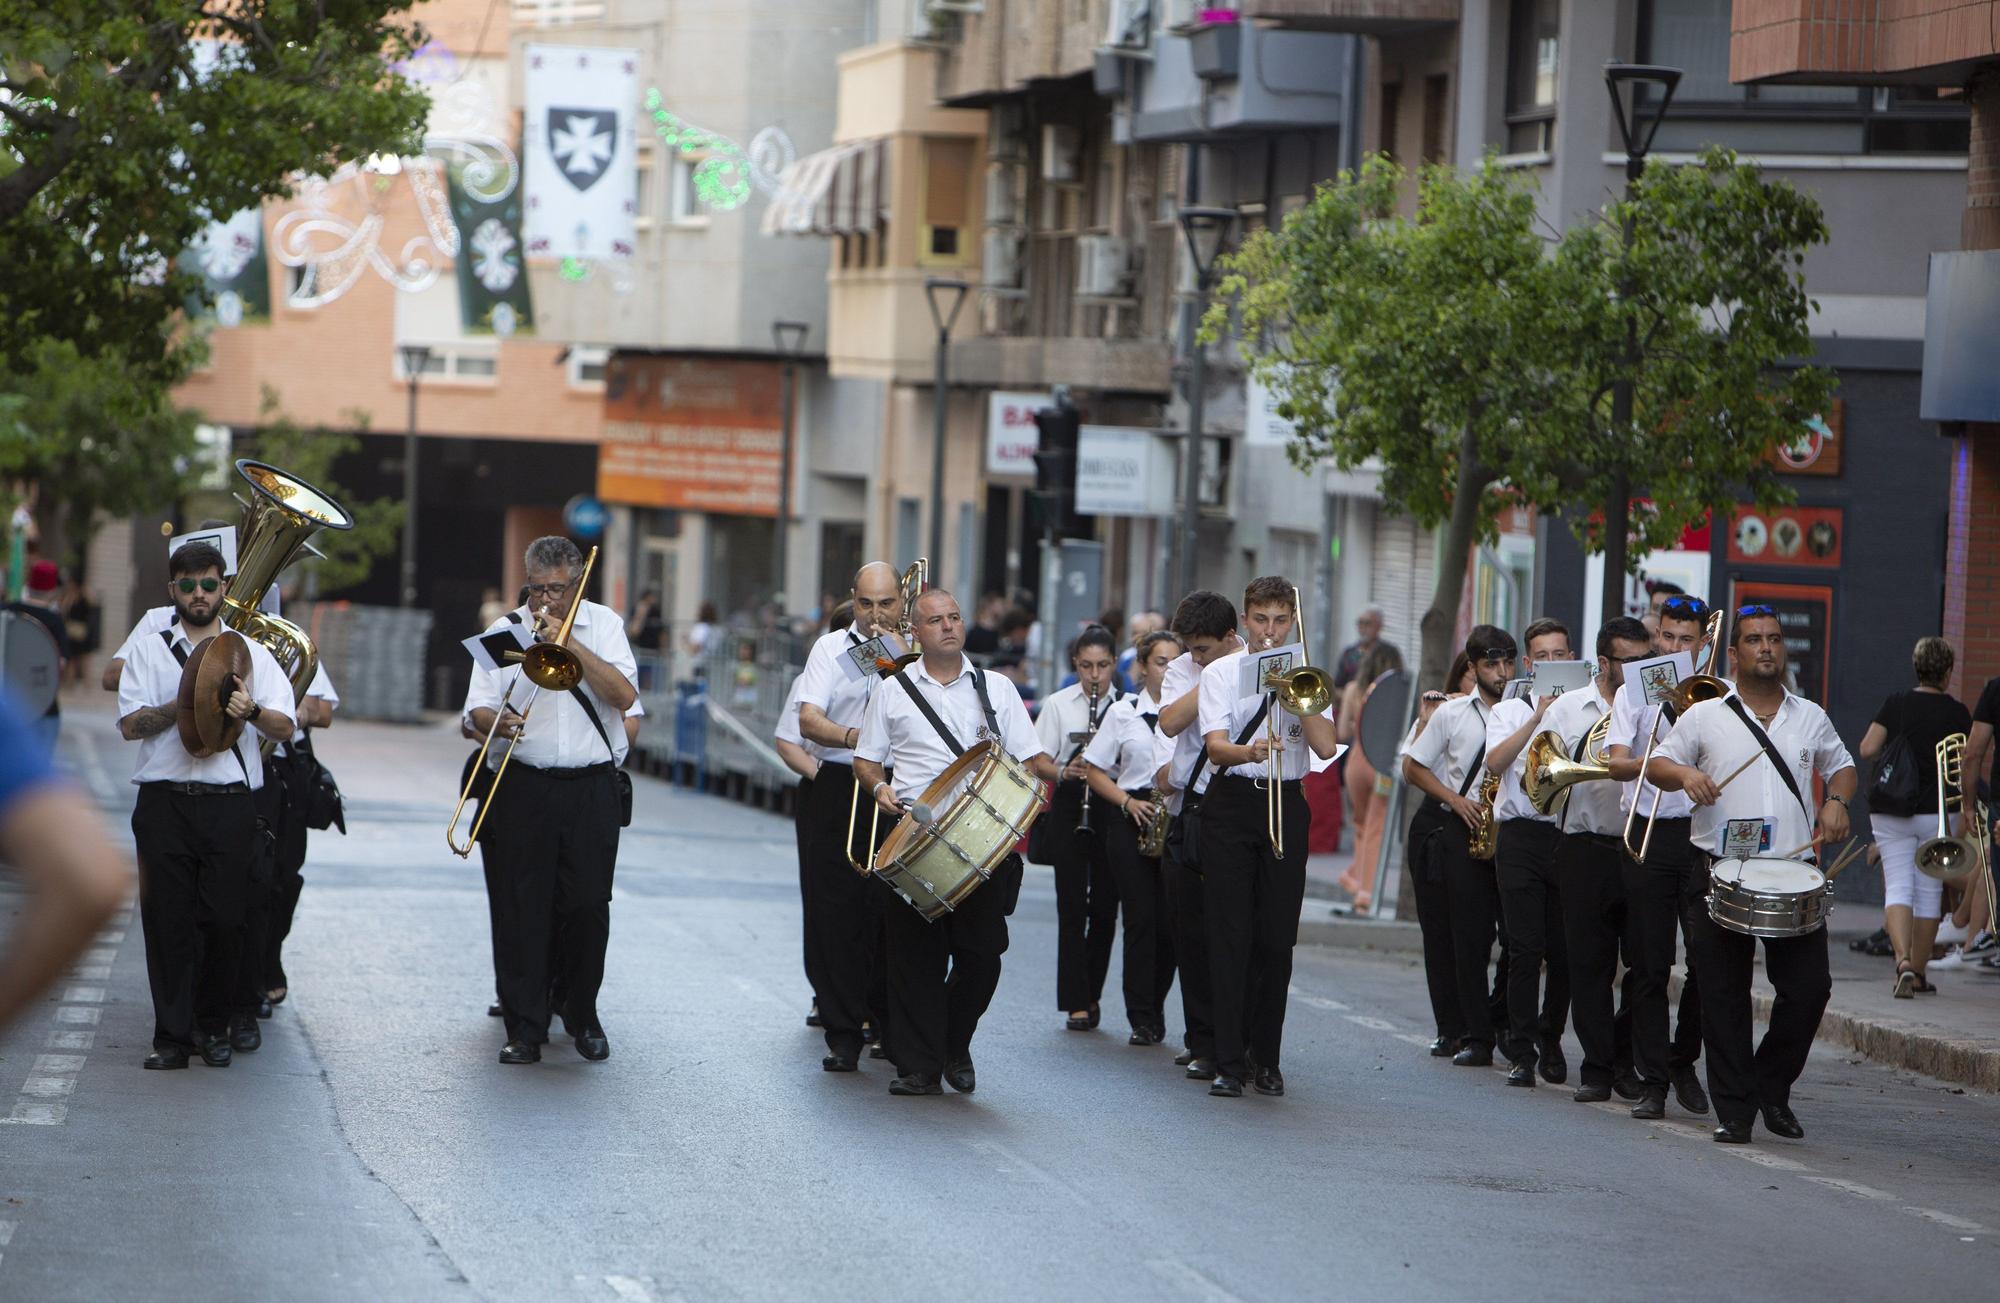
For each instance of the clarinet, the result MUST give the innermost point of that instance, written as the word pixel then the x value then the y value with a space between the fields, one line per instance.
pixel 1083 828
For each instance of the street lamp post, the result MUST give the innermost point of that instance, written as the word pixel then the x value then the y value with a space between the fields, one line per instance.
pixel 1639 115
pixel 946 297
pixel 790 339
pixel 1206 229
pixel 415 358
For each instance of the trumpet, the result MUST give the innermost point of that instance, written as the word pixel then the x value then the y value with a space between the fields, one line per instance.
pixel 1698 687
pixel 549 665
pixel 1549 772
pixel 1945 857
pixel 900 642
pixel 1307 690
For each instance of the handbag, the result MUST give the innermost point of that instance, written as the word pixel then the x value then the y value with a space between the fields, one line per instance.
pixel 620 780
pixel 1184 838
pixel 1895 788
pixel 313 789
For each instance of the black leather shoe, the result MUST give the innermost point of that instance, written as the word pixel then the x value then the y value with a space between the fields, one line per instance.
pixel 1184 1058
pixel 1522 1074
pixel 265 1008
pixel 1687 1089
pixel 166 1060
pixel 1552 1065
pixel 1651 1105
pixel 1268 1081
pixel 1627 1085
pixel 593 1044
pixel 1146 1036
pixel 1087 1023
pixel 244 1036
pixel 961 1077
pixel 839 1063
pixel 876 1051
pixel 1779 1121
pixel 1591 1094
pixel 520 1052
pixel 1444 1047
pixel 1201 1069
pixel 494 1010
pixel 916 1083
pixel 1227 1087
pixel 215 1051
pixel 1733 1133
pixel 1474 1056
pixel 812 1017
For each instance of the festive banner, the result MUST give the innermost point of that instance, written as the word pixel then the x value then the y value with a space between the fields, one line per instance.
pixel 235 277
pixel 579 148
pixel 492 280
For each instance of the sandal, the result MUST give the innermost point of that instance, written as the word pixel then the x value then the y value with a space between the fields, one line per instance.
pixel 1906 980
pixel 1924 986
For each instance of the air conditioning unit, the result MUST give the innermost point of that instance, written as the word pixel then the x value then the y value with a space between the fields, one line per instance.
pixel 1004 123
pixel 1062 153
pixel 1002 205
pixel 1103 267
pixel 923 27
pixel 1000 260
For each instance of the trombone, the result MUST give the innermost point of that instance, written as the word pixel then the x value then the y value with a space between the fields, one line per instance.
pixel 902 654
pixel 549 665
pixel 1698 687
pixel 1945 857
pixel 1304 691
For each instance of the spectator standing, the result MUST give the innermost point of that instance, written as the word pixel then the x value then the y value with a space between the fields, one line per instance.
pixel 1367 792
pixel 1369 626
pixel 82 621
pixel 1912 903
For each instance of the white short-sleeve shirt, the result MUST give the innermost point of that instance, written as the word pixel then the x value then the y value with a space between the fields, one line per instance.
pixel 1589 807
pixel 788 724
pixel 1503 723
pixel 1453 741
pixel 841 698
pixel 1711 738
pixel 559 734
pixel 1632 721
pixel 1125 746
pixel 1224 710
pixel 1183 677
pixel 896 735
pixel 1069 711
pixel 152 677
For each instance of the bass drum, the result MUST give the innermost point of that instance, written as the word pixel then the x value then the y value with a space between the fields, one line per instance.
pixel 29 664
pixel 936 867
pixel 1764 897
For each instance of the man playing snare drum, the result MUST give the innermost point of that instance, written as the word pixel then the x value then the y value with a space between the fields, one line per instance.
pixel 917 724
pixel 1766 811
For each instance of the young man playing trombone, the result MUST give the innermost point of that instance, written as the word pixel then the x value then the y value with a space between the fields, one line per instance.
pixel 1253 841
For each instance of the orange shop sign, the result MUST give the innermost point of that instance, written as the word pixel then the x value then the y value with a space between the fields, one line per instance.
pixel 694 434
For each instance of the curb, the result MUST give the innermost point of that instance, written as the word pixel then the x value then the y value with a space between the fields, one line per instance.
pixel 1387 935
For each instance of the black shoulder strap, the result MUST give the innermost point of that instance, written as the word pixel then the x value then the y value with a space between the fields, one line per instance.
pixel 1764 740
pixel 583 699
pixel 950 740
pixel 1472 770
pixel 1249 730
pixel 986 704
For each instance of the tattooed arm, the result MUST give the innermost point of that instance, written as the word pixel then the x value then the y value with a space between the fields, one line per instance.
pixel 145 722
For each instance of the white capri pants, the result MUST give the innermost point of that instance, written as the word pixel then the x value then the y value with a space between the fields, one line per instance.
pixel 1899 835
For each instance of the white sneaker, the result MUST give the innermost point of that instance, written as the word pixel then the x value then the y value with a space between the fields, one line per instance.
pixel 1985 945
pixel 1949 933
pixel 1953 958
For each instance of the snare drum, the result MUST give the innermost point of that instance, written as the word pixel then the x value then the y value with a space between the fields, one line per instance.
pixel 1764 897
pixel 936 868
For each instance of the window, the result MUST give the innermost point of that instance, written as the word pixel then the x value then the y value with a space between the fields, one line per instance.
pixel 683 199
pixel 430 317
pixel 587 365
pixel 1437 104
pixel 948 172
pixel 1534 46
pixel 1708 108
pixel 1392 107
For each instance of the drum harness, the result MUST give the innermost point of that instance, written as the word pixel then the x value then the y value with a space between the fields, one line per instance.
pixel 1771 750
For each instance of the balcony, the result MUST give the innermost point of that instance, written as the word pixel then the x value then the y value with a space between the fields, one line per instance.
pixel 1009 44
pixel 1274 79
pixel 1360 17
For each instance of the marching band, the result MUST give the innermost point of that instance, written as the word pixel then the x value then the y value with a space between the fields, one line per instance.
pixel 1581 814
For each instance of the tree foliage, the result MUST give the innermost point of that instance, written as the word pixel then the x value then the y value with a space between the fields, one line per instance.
pixel 1475 357
pixel 310 454
pixel 126 127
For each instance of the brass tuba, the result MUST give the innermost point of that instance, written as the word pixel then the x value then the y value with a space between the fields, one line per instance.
pixel 1548 771
pixel 1945 857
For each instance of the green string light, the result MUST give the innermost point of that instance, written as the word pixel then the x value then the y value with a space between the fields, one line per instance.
pixel 722 179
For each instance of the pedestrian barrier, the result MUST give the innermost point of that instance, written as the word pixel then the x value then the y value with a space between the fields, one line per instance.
pixel 374 655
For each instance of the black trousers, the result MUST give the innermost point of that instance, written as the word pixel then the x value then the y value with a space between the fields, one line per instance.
pixel 274 897
pixel 551 845
pixel 196 855
pixel 1427 871
pixel 1661 897
pixel 1149 946
pixel 844 909
pixel 1594 930
pixel 1475 923
pixel 1524 865
pixel 942 975
pixel 1086 897
pixel 1252 898
pixel 1187 926
pixel 1741 1080
pixel 801 826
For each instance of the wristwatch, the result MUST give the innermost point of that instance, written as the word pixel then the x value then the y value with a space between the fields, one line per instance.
pixel 256 709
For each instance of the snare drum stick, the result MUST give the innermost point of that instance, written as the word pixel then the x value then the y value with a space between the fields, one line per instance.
pixel 1846 857
pixel 1800 849
pixel 1739 771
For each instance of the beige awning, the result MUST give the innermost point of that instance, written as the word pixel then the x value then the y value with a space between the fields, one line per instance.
pixel 839 191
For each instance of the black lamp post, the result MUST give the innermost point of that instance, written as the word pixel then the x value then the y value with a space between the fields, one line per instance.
pixel 1206 230
pixel 946 297
pixel 1640 93
pixel 790 339
pixel 415 358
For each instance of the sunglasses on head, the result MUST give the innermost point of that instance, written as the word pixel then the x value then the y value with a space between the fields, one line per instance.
pixel 1497 655
pixel 206 585
pixel 1754 610
pixel 1684 606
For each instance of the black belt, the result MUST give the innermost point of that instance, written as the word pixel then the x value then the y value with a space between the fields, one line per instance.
pixel 1613 838
pixel 1239 778
pixel 198 789
pixel 563 775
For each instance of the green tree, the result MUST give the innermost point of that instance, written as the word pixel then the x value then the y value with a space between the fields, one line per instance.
pixel 96 444
pixel 1476 358
pixel 309 454
pixel 132 125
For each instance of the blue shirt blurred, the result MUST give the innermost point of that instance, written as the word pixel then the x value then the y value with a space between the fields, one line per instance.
pixel 24 760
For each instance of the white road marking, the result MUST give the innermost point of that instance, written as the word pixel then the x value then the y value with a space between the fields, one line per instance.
pixel 101 955
pixel 1190 1281
pixel 1411 1038
pixel 756 990
pixel 1371 1023
pixel 1317 1001
pixel 6 1237
pixel 91 972
pixel 1852 1187
pixel 61 1040
pixel 79 1014
pixel 1944 1219
pixel 111 938
pixel 84 995
pixel 630 1289
pixel 1006 1161
pixel 1776 1162
pixel 37 1113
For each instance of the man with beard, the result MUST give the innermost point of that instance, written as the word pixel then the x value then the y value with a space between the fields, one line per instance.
pixel 195 822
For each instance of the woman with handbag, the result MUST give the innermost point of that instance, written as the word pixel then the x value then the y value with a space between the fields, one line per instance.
pixel 1902 806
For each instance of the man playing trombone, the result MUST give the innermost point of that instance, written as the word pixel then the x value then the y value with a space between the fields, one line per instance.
pixel 1775 743
pixel 551 832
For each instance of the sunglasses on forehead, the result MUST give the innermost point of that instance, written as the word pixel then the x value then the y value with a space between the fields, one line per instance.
pixel 208 585
pixel 1755 610
pixel 1497 655
pixel 1692 608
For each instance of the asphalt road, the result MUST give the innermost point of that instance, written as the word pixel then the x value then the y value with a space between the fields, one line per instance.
pixel 373 1149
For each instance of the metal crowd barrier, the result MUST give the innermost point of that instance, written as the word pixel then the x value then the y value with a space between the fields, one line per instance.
pixel 710 719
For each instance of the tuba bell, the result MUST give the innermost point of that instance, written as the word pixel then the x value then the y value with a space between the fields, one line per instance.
pixel 1945 857
pixel 1548 771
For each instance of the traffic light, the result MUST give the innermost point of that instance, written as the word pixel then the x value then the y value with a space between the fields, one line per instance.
pixel 1057 430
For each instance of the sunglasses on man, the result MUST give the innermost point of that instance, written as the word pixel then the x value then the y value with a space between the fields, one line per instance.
pixel 1498 656
pixel 1684 608
pixel 1755 611
pixel 208 585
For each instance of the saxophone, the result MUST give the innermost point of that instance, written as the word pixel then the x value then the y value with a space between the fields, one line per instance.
pixel 1483 835
pixel 1153 837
